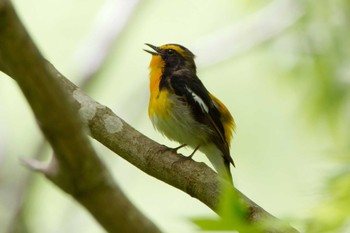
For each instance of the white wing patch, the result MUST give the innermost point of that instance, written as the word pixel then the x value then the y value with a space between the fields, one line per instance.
pixel 199 100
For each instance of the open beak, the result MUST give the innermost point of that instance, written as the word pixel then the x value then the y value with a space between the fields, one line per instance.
pixel 155 48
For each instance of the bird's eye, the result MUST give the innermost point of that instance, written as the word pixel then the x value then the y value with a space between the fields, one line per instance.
pixel 170 51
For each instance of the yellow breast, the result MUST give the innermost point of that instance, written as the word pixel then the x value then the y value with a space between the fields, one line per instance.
pixel 159 105
pixel 159 102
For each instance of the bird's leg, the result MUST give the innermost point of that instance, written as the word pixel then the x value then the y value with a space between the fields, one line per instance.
pixel 183 158
pixel 179 147
pixel 191 155
pixel 173 149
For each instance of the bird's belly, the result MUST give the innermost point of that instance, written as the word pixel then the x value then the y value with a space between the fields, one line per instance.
pixel 174 119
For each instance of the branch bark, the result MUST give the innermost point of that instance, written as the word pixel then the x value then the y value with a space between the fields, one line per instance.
pixel 76 168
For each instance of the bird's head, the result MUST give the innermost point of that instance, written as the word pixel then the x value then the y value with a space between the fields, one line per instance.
pixel 172 56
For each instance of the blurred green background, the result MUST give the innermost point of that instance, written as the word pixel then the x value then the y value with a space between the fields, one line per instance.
pixel 281 67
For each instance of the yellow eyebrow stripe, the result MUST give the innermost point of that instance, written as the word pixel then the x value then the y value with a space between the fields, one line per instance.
pixel 174 47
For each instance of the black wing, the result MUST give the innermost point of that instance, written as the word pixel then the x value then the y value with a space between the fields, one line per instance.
pixel 203 108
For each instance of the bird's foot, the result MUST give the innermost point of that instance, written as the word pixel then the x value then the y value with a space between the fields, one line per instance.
pixel 189 156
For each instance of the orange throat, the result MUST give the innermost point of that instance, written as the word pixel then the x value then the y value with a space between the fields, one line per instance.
pixel 156 70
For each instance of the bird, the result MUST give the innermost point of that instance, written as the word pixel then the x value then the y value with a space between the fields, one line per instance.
pixel 183 110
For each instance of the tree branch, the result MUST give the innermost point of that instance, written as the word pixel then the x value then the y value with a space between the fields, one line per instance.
pixel 76 161
pixel 194 178
pixel 75 168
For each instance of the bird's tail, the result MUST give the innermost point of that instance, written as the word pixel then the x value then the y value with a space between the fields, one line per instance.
pixel 216 158
pixel 227 173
